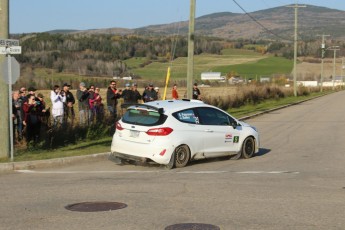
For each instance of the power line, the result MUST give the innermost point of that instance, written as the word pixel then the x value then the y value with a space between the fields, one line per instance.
pixel 259 23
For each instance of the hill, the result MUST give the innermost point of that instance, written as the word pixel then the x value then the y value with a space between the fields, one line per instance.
pixel 263 24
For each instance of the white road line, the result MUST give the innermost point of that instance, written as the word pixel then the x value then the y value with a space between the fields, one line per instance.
pixel 81 172
pixel 165 171
pixel 267 172
pixel 203 172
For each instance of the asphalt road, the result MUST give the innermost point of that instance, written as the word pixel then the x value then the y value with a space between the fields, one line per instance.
pixel 296 182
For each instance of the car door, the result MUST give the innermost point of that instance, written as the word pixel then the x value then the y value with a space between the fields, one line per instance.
pixel 219 136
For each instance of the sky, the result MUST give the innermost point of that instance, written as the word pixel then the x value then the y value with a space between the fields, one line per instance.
pixel 28 16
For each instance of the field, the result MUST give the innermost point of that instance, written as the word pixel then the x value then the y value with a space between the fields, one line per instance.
pixel 243 62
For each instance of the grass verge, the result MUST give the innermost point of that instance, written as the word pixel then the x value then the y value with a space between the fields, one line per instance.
pixel 266 105
pixel 79 149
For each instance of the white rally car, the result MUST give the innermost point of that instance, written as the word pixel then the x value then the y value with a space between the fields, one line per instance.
pixel 174 132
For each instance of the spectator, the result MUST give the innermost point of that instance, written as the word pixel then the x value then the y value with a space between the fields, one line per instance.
pixel 96 107
pixel 68 105
pixel 112 96
pixel 32 120
pixel 22 98
pixel 83 104
pixel 90 101
pixel 150 94
pixel 158 93
pixel 22 89
pixel 15 97
pixel 135 95
pixel 58 99
pixel 127 94
pixel 31 91
pixel 45 111
pixel 17 103
pixel 174 92
pixel 196 92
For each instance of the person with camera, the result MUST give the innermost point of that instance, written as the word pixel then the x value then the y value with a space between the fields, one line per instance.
pixel 58 99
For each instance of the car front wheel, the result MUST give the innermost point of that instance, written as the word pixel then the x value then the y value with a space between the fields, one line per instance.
pixel 248 147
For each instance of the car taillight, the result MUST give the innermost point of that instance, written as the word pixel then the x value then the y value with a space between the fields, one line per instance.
pixel 159 131
pixel 118 126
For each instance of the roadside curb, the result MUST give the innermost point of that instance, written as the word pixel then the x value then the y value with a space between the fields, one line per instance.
pixel 29 165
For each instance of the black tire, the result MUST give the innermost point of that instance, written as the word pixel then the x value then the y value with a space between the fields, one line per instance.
pixel 248 147
pixel 182 156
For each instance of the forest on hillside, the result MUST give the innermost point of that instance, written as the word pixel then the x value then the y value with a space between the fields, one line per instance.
pixel 104 54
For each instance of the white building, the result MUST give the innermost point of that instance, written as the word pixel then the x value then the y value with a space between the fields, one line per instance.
pixel 215 76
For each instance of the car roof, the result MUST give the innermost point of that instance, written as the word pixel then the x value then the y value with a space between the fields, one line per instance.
pixel 171 106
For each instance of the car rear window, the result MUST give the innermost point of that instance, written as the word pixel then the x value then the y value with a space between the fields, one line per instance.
pixel 143 117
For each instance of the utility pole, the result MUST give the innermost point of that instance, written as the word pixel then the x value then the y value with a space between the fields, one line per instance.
pixel 191 36
pixel 342 67
pixel 4 94
pixel 334 48
pixel 323 51
pixel 296 6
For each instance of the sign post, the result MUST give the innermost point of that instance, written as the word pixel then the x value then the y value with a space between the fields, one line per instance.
pixel 8 50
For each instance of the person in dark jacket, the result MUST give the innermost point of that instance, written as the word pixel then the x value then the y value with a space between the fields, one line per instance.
pixel 127 94
pixel 32 119
pixel 68 105
pixel 83 104
pixel 196 92
pixel 135 95
pixel 112 96
pixel 150 94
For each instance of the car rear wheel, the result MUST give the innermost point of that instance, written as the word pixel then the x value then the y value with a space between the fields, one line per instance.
pixel 179 158
pixel 248 147
pixel 182 156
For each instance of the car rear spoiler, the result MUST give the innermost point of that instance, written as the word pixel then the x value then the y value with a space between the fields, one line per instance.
pixel 136 105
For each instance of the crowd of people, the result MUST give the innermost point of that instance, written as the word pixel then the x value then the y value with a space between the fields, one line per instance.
pixel 31 115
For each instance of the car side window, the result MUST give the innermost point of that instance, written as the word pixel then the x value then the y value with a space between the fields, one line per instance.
pixel 211 116
pixel 187 116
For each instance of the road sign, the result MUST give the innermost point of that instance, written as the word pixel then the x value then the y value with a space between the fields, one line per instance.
pixel 15 71
pixel 11 50
pixel 9 42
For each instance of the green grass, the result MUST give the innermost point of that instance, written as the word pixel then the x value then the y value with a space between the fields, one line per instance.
pixel 80 149
pixel 270 104
pixel 202 63
pixel 135 62
pixel 239 52
pixel 246 63
pixel 262 67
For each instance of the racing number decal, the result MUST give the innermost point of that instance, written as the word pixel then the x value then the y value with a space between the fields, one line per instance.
pixel 236 139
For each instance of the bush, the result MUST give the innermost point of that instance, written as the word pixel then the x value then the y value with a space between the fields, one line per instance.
pixel 249 94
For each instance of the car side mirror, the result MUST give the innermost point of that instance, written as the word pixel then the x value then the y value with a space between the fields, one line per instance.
pixel 234 125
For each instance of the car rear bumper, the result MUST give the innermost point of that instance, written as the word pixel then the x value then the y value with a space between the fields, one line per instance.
pixel 160 154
